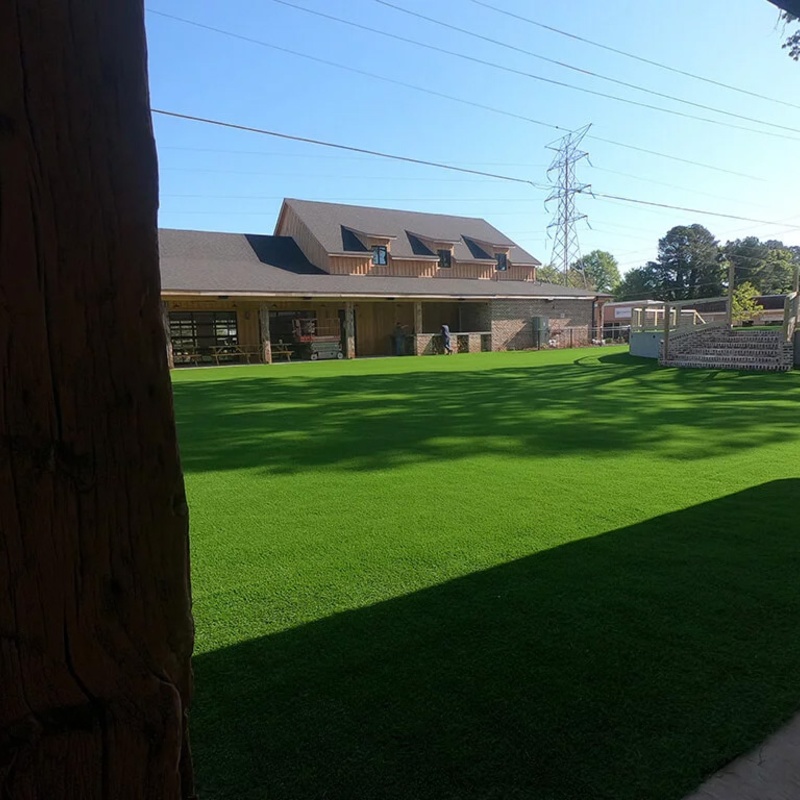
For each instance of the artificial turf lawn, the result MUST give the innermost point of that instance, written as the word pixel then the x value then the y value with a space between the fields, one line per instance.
pixel 550 576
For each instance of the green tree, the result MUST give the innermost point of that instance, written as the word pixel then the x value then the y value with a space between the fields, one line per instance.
pixel 789 15
pixel 768 266
pixel 791 7
pixel 599 269
pixel 637 284
pixel 547 273
pixel 687 265
pixel 743 302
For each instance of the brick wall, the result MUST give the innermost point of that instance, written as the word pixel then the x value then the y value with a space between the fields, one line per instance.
pixel 512 322
pixel 476 317
pixel 425 344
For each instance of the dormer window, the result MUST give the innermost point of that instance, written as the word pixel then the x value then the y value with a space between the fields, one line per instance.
pixel 445 259
pixel 502 261
pixel 380 256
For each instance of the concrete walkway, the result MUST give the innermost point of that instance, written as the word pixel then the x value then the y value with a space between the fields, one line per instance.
pixel 770 772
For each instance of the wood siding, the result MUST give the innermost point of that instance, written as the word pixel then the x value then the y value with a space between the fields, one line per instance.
pixel 434 315
pixel 362 265
pixel 375 323
pixel 517 274
pixel 461 269
pixel 289 224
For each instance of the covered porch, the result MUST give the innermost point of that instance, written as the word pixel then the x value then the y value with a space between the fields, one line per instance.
pixel 210 331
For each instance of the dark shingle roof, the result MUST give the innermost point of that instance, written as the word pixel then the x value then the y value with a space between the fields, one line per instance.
pixel 333 225
pixel 240 263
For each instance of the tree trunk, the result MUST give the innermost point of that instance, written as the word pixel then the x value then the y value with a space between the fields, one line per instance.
pixel 95 620
pixel 266 343
pixel 167 335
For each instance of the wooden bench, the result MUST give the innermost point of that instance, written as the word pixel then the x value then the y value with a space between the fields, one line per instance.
pixel 235 350
pixel 287 352
pixel 186 355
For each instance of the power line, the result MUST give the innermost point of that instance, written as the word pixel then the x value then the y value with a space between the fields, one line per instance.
pixel 452 167
pixel 349 148
pixel 354 70
pixel 673 158
pixel 366 199
pixel 681 208
pixel 316 176
pixel 641 59
pixel 332 158
pixel 434 93
pixel 645 179
pixel 584 71
pixel 531 75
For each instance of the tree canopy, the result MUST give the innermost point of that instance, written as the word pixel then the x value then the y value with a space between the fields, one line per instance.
pixel 691 264
pixel 687 265
pixel 599 269
pixel 791 7
pixel 767 266
pixel 638 284
pixel 743 303
pixel 547 273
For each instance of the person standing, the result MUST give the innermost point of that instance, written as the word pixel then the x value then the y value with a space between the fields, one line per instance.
pixel 448 348
pixel 399 336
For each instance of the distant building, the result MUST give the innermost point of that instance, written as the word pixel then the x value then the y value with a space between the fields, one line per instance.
pixel 339 281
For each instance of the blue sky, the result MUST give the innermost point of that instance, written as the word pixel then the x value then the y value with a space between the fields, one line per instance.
pixel 216 179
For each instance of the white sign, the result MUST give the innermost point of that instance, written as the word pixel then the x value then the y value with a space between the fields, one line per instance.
pixel 623 312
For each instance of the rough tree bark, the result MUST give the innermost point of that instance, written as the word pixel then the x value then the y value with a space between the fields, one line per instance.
pixel 95 620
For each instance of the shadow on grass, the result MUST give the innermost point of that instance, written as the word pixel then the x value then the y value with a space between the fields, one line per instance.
pixel 286 423
pixel 628 666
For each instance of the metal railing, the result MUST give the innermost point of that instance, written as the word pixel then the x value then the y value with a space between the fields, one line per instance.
pixel 579 336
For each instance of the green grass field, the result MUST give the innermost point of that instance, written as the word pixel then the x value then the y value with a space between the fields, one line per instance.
pixel 549 576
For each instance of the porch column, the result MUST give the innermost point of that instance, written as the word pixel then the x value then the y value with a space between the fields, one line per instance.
pixel 417 327
pixel 349 330
pixel 167 337
pixel 667 321
pixel 418 317
pixel 266 345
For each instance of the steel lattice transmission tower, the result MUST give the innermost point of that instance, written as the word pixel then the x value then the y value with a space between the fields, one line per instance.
pixel 566 249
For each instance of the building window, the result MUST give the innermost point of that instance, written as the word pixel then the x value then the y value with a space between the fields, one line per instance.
pixel 445 259
pixel 380 256
pixel 198 331
pixel 502 261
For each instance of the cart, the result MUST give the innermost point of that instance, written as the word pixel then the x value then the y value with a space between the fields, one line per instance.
pixel 315 342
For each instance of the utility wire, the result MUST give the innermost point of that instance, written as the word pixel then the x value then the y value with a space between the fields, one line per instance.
pixel 317 175
pixel 672 158
pixel 367 199
pixel 682 208
pixel 349 148
pixel 584 71
pixel 531 75
pixel 635 57
pixel 355 70
pixel 689 190
pixel 526 164
pixel 447 96
pixel 452 167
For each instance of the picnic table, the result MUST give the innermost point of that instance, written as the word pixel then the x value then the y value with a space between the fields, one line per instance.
pixel 282 350
pixel 183 355
pixel 236 350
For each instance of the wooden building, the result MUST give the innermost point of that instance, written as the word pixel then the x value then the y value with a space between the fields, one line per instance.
pixel 342 281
